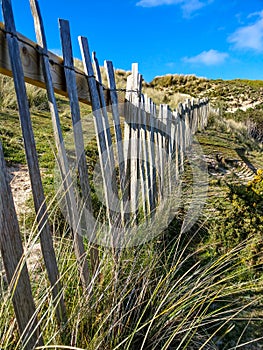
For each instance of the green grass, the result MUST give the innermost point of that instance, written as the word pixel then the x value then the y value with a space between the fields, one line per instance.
pixel 157 296
pixel 178 291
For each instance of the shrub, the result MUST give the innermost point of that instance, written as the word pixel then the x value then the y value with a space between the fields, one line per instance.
pixel 241 221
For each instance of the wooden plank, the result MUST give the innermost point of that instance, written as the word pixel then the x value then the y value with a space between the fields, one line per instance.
pixel 118 135
pixel 72 211
pixel 142 156
pixel 168 145
pixel 134 143
pixel 145 137
pixel 207 111
pixel 138 147
pixel 15 266
pixel 154 156
pixel 181 138
pixel 192 115
pixel 116 119
pixel 195 122
pixel 167 121
pixel 31 153
pixel 204 113
pixel 127 143
pixel 150 131
pixel 96 67
pixel 198 114
pixel 127 126
pixel 162 154
pixel 41 38
pixel 100 122
pixel 187 122
pixel 149 157
pixel 149 136
pixel 153 123
pixel 176 141
pixel 79 144
pixel 173 127
pixel 33 74
pixel 111 178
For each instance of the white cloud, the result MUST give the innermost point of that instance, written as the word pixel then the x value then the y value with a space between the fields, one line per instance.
pixel 208 58
pixel 191 6
pixel 187 6
pixel 154 3
pixel 249 37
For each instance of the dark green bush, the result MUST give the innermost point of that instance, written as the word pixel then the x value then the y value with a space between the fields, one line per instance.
pixel 240 221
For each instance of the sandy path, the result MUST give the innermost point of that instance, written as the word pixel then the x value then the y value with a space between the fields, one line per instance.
pixel 21 187
pixel 19 179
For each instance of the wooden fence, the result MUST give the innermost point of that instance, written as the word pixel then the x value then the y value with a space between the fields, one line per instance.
pixel 147 147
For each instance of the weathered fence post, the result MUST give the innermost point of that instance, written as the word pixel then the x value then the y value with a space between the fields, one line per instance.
pixel 175 133
pixel 112 180
pixel 71 204
pixel 104 141
pixel 153 130
pixel 134 139
pixel 15 265
pixel 145 137
pixel 32 160
pixel 79 144
pixel 187 106
pixel 118 135
pixel 181 136
pixel 168 145
pixel 162 151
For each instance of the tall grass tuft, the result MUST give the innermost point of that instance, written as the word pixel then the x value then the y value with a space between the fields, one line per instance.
pixel 159 295
pixel 169 293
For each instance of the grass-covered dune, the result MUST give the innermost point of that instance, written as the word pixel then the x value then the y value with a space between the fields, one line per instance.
pixel 200 289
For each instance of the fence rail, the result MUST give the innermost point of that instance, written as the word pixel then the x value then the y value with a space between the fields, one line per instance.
pixel 147 147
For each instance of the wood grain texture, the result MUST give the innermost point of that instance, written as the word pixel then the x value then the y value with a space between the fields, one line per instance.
pixel 168 146
pixel 134 141
pixel 41 38
pixel 119 137
pixel 102 128
pixel 175 143
pixel 146 147
pixel 30 149
pixel 162 152
pixel 116 119
pixel 33 73
pixel 57 75
pixel 142 150
pixel 15 267
pixel 181 137
pixel 153 148
pixel 110 176
pixel 79 144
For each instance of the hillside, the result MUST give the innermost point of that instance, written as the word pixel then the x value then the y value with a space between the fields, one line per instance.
pixel 201 290
pixel 239 99
pixel 229 95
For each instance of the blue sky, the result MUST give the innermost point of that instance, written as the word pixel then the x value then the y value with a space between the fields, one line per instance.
pixel 209 38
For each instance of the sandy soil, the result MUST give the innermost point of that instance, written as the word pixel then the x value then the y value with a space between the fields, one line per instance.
pixel 21 190
pixel 21 187
pixel 245 105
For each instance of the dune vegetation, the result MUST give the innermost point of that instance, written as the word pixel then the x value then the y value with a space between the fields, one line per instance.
pixel 200 289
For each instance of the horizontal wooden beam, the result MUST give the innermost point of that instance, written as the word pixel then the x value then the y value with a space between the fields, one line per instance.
pixel 31 61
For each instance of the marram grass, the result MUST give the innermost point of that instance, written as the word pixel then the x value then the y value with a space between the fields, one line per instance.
pixel 154 296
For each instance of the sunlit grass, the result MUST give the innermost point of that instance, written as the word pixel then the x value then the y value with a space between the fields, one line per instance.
pixel 156 296
pixel 169 293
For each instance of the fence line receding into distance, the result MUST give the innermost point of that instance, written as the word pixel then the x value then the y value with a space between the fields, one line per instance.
pixel 141 157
